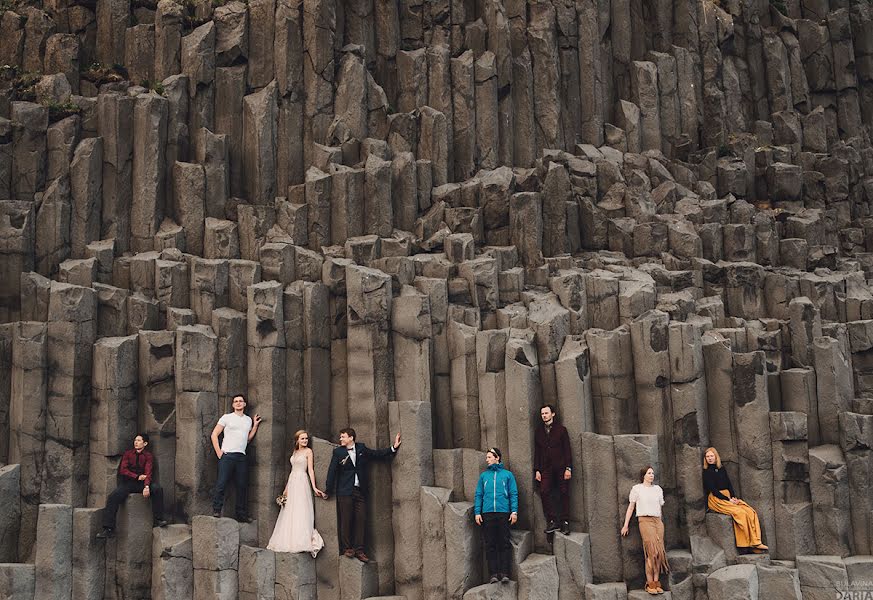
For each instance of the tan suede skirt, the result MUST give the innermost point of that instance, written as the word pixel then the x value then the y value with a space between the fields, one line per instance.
pixel 652 532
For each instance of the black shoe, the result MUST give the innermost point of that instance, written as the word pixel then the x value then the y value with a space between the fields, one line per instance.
pixel 565 528
pixel 216 514
pixel 160 523
pixel 494 579
pixel 552 528
pixel 244 519
pixel 107 532
pixel 504 579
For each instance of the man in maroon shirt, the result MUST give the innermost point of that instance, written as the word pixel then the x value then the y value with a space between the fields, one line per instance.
pixel 553 467
pixel 135 474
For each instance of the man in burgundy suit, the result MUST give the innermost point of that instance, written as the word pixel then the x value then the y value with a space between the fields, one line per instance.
pixel 135 477
pixel 553 467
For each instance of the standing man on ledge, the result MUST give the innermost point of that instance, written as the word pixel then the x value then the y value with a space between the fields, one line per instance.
pixel 553 467
pixel 238 429
pixel 347 478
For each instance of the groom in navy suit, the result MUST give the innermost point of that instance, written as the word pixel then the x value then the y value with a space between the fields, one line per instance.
pixel 347 479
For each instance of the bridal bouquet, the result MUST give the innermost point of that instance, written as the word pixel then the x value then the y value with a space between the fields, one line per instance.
pixel 281 499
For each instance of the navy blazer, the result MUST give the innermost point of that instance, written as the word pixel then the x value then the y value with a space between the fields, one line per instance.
pixel 341 473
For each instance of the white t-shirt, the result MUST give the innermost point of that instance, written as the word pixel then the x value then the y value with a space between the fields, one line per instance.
pixel 236 432
pixel 648 498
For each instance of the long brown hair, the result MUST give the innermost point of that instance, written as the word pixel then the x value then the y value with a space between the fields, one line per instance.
pixel 297 435
pixel 717 458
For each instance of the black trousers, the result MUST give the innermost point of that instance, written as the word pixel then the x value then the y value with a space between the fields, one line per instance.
pixel 126 488
pixel 552 480
pixel 235 466
pixel 351 515
pixel 498 547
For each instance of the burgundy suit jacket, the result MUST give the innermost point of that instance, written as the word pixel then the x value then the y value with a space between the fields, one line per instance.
pixel 552 450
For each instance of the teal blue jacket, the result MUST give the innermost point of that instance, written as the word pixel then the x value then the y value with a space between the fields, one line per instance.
pixel 496 491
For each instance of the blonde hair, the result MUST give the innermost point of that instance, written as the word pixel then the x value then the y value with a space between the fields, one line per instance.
pixel 717 458
pixel 297 435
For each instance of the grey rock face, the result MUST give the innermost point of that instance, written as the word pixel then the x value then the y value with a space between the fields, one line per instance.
pixel 433 218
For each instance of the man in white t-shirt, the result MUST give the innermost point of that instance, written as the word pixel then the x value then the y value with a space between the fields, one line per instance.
pixel 238 429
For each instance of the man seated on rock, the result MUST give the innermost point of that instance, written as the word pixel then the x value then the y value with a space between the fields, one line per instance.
pixel 135 475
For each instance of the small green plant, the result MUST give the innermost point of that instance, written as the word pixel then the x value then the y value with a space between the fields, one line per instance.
pixel 23 83
pixel 723 151
pixel 155 86
pixel 58 111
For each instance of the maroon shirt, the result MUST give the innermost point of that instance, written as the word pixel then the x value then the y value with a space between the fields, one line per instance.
pixel 552 450
pixel 134 464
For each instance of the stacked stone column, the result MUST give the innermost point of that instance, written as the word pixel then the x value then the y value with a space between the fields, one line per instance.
pixel 794 526
pixel 371 388
pixel 113 419
pixel 267 398
pixel 27 423
pixel 71 332
pixel 196 377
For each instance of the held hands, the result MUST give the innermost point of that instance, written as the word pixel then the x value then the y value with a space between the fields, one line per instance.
pixel 624 531
pixel 513 517
pixel 478 519
pixel 397 441
pixel 319 493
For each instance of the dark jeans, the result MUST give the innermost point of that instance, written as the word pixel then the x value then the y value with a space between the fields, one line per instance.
pixel 120 494
pixel 232 465
pixel 552 479
pixel 498 547
pixel 351 513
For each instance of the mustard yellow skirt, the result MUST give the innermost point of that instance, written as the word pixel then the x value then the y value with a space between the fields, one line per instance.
pixel 747 529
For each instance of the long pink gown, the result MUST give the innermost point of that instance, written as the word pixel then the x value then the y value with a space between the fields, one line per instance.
pixel 295 527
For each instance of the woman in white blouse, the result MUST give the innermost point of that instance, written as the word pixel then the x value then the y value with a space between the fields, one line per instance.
pixel 647 498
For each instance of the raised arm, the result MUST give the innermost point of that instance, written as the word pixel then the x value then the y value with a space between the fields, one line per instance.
pixel 311 468
pixel 216 431
pixel 254 430
pixel 386 452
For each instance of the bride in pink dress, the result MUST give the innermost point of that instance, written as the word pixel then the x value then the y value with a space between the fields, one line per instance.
pixel 295 528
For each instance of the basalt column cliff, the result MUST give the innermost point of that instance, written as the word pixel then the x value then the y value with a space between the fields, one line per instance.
pixel 432 217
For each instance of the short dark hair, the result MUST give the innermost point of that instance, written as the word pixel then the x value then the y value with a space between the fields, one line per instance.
pixel 496 452
pixel 144 436
pixel 349 432
pixel 645 470
pixel 235 396
pixel 551 407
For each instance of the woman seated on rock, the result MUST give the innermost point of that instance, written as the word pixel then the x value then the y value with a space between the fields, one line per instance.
pixel 722 499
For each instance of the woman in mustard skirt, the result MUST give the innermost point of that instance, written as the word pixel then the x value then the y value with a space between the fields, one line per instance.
pixel 722 499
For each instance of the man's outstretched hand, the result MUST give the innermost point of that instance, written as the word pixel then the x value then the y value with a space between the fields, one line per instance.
pixel 397 441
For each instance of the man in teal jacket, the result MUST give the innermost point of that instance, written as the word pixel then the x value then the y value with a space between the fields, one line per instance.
pixel 496 509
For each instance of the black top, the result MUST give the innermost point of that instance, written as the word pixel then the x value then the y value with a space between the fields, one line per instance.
pixel 715 480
